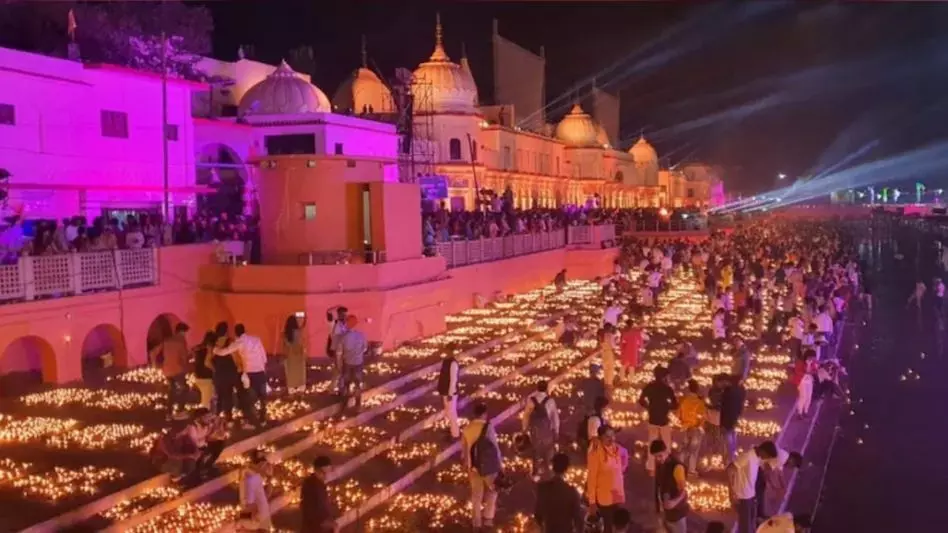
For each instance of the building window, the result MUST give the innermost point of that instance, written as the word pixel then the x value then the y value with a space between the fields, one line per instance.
pixel 454 149
pixel 691 193
pixel 309 211
pixel 114 124
pixel 171 132
pixel 290 144
pixel 506 158
pixel 338 148
pixel 7 115
pixel 557 173
pixel 474 151
pixel 519 159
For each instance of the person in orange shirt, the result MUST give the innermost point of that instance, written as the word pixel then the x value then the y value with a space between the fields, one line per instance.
pixel 606 463
pixel 692 413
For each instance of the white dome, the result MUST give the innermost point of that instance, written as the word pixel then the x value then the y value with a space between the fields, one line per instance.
pixel 577 128
pixel 643 152
pixel 440 86
pixel 284 93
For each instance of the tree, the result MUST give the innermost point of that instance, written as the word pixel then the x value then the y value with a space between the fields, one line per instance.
pixel 121 33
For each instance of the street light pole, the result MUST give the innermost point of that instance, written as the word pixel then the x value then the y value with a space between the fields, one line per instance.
pixel 166 203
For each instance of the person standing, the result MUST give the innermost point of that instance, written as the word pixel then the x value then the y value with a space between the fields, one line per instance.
pixel 607 342
pixel 671 496
pixel 589 427
pixel 226 377
pixel 337 327
pixel 771 482
pixel 606 463
pixel 316 506
pixel 742 475
pixel 559 506
pixel 633 338
pixel 742 358
pixel 732 407
pixel 174 357
pixel 294 349
pixel 541 421
pixel 352 349
pixel 203 370
pixel 592 387
pixel 480 456
pixel 448 390
pixel 252 363
pixel 692 413
pixel 254 497
pixel 658 398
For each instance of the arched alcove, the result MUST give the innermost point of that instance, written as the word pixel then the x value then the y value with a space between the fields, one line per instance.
pixel 25 363
pixel 102 348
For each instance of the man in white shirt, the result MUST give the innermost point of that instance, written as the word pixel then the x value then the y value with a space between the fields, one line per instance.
pixel 742 482
pixel 612 314
pixel 541 420
pixel 252 363
pixel 253 491
pixel 824 323
pixel 448 389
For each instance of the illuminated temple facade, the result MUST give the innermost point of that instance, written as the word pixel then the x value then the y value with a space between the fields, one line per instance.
pixel 85 139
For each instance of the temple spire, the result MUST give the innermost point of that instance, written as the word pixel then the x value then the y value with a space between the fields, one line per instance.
pixel 439 53
pixel 365 54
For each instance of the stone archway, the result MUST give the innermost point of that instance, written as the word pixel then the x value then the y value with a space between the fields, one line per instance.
pixel 103 348
pixel 26 362
pixel 222 169
pixel 160 329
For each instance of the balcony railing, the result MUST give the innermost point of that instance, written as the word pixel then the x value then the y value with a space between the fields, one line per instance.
pixel 49 276
pixel 651 225
pixel 460 253
pixel 592 235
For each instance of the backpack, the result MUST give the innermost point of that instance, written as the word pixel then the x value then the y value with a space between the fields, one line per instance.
pixel 485 456
pixel 582 431
pixel 539 424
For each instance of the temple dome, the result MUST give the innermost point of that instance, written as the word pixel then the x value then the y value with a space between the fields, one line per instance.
pixel 441 86
pixel 577 128
pixel 643 152
pixel 364 89
pixel 284 93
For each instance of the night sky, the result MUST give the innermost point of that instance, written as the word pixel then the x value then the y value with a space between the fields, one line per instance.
pixel 880 78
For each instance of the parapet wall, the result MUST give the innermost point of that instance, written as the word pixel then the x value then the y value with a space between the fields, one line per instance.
pixel 397 301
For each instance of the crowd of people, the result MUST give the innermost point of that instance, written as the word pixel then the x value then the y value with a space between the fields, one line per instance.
pixel 777 278
pixel 791 284
pixel 231 377
pixel 130 231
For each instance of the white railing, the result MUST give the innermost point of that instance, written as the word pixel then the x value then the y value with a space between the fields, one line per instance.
pixel 50 276
pixel 460 253
pixel 594 235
